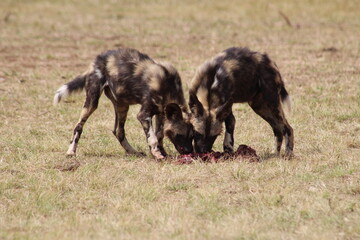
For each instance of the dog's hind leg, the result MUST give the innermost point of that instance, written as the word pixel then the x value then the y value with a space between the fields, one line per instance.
pixel 93 93
pixel 272 112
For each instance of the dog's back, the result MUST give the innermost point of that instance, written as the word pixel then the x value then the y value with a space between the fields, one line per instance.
pixel 131 76
pixel 236 73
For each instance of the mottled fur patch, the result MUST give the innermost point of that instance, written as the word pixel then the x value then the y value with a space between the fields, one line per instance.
pixel 98 73
pixel 200 77
pixel 216 125
pixel 152 139
pixel 230 66
pixel 198 124
pixel 202 95
pixel 142 66
pixel 214 100
pixel 154 83
pixel 176 127
pixel 216 80
pixel 120 89
pixel 170 68
pixel 185 111
pixel 220 55
pixel 157 74
pixel 273 65
pixel 84 113
pixel 258 57
pixel 278 78
pixel 111 66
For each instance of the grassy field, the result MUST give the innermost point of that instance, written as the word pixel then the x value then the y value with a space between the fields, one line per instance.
pixel 316 195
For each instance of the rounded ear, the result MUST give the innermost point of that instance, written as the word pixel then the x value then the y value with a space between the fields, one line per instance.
pixel 195 105
pixel 224 110
pixel 173 112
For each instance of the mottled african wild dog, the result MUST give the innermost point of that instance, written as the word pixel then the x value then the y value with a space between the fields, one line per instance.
pixel 129 77
pixel 237 75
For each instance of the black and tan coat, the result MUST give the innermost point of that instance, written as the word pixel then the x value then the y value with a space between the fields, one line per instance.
pixel 237 75
pixel 129 77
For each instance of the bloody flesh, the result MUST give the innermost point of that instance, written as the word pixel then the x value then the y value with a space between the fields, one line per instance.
pixel 242 153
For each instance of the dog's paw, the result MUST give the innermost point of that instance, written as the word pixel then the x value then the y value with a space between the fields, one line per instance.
pixel 274 153
pixel 158 156
pixel 288 155
pixel 70 154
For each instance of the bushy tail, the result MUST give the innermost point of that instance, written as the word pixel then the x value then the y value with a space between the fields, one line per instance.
pixel 284 95
pixel 285 98
pixel 65 90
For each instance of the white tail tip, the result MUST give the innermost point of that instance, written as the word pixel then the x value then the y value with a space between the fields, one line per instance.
pixel 287 103
pixel 62 92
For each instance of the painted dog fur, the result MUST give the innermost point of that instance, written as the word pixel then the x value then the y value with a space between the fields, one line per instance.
pixel 129 77
pixel 237 75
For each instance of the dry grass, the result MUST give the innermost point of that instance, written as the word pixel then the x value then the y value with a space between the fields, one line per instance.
pixel 110 195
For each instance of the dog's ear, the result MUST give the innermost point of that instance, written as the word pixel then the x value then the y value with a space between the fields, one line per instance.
pixel 224 110
pixel 173 112
pixel 195 105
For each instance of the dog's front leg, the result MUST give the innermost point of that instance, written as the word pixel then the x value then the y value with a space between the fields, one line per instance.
pixel 160 118
pixel 229 133
pixel 145 119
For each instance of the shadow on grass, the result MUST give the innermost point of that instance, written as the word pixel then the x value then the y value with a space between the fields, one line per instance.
pixel 267 155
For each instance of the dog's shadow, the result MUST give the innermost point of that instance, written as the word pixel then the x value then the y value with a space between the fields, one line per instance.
pixel 104 155
pixel 268 155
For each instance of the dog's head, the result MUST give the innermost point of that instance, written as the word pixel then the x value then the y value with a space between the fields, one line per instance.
pixel 178 128
pixel 207 123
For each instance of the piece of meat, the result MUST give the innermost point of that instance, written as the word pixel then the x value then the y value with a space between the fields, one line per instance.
pixel 246 153
pixel 241 154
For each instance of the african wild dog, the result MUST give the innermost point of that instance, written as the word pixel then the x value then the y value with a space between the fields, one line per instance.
pixel 129 77
pixel 237 75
